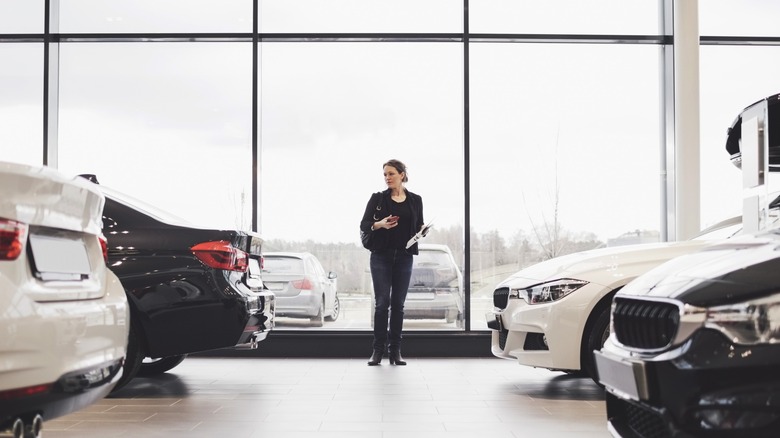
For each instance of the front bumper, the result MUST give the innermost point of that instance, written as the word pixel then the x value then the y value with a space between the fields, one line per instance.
pixel 708 387
pixel 543 335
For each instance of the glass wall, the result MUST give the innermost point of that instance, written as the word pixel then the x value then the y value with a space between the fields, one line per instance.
pixel 563 158
pixel 169 123
pixel 21 104
pixel 541 136
pixel 332 115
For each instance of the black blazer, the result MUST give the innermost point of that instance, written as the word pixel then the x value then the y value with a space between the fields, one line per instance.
pixel 376 210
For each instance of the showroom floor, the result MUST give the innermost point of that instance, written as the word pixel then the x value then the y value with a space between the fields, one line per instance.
pixel 345 398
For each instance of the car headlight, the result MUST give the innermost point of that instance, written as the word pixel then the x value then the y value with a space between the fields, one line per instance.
pixel 547 292
pixel 748 323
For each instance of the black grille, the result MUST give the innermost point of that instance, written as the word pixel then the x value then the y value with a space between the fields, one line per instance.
pixel 501 297
pixel 642 422
pixel 641 324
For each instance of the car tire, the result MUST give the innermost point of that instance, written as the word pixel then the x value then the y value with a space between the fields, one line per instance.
pixel 133 358
pixel 594 340
pixel 336 310
pixel 318 320
pixel 156 366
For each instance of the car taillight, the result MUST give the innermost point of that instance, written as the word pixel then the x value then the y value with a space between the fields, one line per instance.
pixel 304 284
pixel 24 392
pixel 13 235
pixel 221 255
pixel 103 246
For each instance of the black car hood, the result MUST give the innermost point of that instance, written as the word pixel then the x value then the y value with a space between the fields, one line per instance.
pixel 731 271
pixel 734 134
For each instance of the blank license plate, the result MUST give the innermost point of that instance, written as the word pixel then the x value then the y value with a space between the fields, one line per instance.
pixel 58 258
pixel 621 375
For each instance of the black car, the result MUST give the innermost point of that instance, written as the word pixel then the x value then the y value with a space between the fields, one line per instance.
pixel 190 289
pixel 694 349
pixel 734 134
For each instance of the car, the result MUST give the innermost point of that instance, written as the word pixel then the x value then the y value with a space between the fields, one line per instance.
pixel 190 288
pixel 555 313
pixel 734 134
pixel 64 316
pixel 436 286
pixel 695 345
pixel 302 287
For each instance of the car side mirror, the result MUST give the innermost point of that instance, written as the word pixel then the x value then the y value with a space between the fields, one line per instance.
pixel 332 275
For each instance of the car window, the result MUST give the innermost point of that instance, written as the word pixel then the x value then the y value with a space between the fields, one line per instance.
pixel 282 265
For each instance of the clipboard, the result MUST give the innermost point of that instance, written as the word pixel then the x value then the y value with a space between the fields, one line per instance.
pixel 420 234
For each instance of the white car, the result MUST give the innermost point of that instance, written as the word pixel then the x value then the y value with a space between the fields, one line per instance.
pixel 63 315
pixel 555 313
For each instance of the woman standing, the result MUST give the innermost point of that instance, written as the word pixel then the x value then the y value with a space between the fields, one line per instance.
pixel 392 217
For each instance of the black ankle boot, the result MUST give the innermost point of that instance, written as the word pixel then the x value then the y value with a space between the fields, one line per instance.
pixel 376 358
pixel 395 358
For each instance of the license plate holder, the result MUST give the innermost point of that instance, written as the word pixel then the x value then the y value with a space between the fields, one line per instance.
pixel 59 258
pixel 622 376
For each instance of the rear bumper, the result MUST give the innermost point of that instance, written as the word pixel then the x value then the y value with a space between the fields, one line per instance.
pixel 69 393
pixel 303 305
pixel 262 319
pixel 429 303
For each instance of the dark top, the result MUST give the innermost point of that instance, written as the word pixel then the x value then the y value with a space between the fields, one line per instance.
pixel 410 213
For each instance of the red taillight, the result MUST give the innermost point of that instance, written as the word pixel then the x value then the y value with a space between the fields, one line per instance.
pixel 221 255
pixel 304 284
pixel 103 246
pixel 24 392
pixel 13 235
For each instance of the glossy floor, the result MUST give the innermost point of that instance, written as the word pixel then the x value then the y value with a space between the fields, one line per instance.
pixel 344 398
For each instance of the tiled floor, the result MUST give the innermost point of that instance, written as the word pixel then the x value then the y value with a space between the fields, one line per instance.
pixel 345 398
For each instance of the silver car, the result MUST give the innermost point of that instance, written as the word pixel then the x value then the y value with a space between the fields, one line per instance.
pixel 436 287
pixel 302 287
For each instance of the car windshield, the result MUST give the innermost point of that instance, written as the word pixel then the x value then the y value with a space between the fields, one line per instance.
pixel 144 207
pixel 282 265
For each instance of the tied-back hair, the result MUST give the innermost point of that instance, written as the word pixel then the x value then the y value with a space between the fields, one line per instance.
pixel 400 167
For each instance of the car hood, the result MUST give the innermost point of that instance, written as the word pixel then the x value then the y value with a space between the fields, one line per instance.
pixel 45 197
pixel 605 266
pixel 739 269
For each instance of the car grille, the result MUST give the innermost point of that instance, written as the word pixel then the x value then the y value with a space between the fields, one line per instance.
pixel 501 297
pixel 645 325
pixel 642 422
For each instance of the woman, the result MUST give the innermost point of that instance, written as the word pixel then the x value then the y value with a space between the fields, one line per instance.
pixel 392 217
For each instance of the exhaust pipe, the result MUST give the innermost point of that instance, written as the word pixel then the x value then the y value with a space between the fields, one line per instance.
pixel 35 428
pixel 18 428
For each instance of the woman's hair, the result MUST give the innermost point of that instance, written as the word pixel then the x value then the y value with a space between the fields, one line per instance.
pixel 400 167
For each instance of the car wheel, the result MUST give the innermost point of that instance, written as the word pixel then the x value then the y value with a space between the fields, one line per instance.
pixel 318 320
pixel 595 339
pixel 336 310
pixel 133 358
pixel 158 365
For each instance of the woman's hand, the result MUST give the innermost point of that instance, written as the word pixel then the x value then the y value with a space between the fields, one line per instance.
pixel 387 223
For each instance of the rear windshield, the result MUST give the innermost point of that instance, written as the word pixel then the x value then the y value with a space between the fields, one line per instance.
pixel 282 265
pixel 432 258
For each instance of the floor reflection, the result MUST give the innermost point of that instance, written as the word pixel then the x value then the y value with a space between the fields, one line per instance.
pixel 164 385
pixel 563 387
